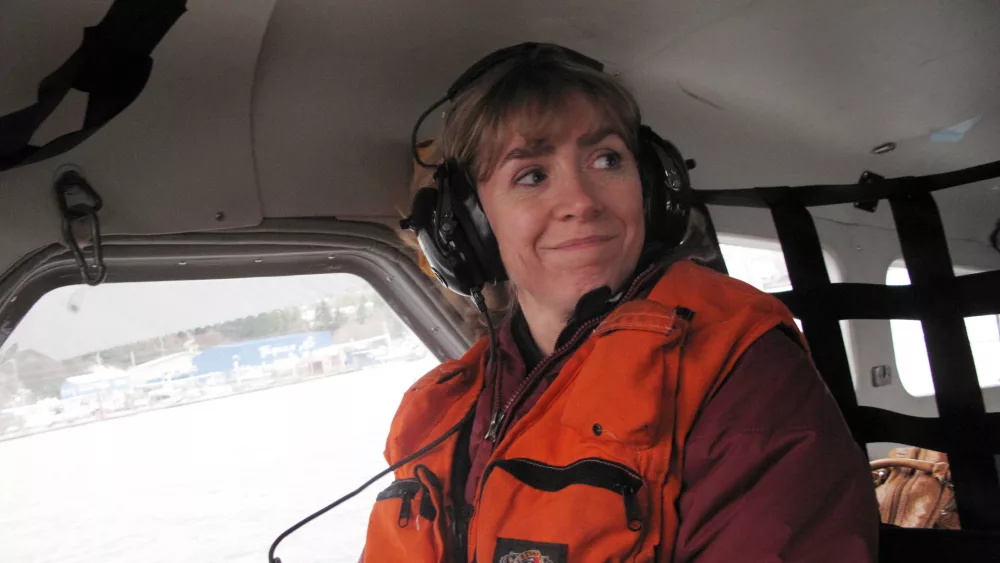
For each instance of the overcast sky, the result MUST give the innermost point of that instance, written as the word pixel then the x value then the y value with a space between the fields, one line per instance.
pixel 110 315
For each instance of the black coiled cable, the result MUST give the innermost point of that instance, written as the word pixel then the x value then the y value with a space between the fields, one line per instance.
pixel 477 298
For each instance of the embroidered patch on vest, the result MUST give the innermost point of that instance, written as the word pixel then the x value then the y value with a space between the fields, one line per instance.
pixel 526 551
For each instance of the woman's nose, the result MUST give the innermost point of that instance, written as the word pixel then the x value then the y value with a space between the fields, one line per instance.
pixel 575 195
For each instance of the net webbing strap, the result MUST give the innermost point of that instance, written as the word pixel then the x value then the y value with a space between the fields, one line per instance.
pixel 880 425
pixel 807 272
pixel 112 64
pixel 915 545
pixel 827 194
pixel 957 391
pixel 937 298
pixel 868 301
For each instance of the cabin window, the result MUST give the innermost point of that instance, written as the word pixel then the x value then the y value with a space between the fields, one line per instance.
pixel 196 420
pixel 760 263
pixel 910 349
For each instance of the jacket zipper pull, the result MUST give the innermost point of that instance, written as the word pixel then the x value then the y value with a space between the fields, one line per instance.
pixel 633 516
pixel 404 511
pixel 491 434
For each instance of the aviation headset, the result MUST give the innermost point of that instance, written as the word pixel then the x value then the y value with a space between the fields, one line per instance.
pixel 449 221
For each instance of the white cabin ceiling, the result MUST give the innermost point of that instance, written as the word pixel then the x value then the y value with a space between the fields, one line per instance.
pixel 304 108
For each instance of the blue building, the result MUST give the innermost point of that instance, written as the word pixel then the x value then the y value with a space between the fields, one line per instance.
pixel 261 352
pixel 100 380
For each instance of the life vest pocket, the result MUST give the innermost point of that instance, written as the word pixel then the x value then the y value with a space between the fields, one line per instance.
pixel 405 520
pixel 626 388
pixel 589 510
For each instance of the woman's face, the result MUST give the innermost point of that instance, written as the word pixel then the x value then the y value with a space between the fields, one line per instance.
pixel 566 211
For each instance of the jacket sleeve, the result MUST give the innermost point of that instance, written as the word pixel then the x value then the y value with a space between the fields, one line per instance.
pixel 771 472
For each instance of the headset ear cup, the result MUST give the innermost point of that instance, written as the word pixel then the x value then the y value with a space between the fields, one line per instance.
pixel 479 234
pixel 666 189
pixel 441 242
pixel 653 196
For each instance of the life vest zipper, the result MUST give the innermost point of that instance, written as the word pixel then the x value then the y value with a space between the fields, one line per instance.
pixel 406 490
pixel 595 472
pixel 497 427
pixel 498 418
pixel 495 421
pixel 405 510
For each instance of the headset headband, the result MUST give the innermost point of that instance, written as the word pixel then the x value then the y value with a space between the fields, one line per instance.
pixel 528 50
pixel 489 62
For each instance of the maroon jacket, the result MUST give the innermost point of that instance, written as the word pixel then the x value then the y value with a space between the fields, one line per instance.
pixel 771 472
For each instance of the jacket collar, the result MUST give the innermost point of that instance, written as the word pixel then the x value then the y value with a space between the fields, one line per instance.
pixel 515 336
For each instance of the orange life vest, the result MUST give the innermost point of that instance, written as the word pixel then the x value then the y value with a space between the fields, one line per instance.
pixel 592 471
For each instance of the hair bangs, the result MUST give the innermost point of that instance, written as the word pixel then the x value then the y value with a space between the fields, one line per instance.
pixel 529 99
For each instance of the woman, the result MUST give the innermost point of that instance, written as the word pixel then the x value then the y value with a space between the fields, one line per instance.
pixel 632 409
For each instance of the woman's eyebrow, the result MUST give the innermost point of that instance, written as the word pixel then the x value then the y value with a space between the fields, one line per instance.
pixel 532 151
pixel 544 149
pixel 594 137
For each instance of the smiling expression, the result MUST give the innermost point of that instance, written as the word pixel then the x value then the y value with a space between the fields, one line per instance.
pixel 566 209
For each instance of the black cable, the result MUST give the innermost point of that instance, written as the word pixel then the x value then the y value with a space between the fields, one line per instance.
pixel 270 554
pixel 416 130
pixel 480 301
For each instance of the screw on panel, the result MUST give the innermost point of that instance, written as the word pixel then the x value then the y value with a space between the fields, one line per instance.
pixel 182 263
pixel 881 376
pixel 220 216
pixel 258 260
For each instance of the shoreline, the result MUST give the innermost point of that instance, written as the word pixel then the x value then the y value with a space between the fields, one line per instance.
pixel 125 414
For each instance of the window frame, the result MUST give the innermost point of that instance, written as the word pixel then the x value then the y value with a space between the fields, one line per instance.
pixel 834 269
pixel 278 247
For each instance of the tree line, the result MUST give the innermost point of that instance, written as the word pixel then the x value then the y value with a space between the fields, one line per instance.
pixel 43 376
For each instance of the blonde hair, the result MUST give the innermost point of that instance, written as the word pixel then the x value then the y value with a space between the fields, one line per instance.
pixel 523 96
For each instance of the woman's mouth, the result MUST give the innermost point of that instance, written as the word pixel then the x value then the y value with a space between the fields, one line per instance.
pixel 582 242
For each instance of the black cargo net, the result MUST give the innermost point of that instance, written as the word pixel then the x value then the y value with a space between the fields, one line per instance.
pixel 940 300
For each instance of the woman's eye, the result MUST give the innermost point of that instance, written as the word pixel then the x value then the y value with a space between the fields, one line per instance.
pixel 530 178
pixel 608 161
